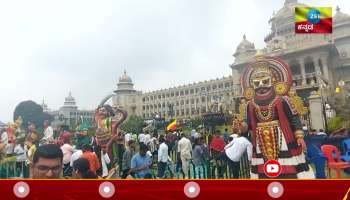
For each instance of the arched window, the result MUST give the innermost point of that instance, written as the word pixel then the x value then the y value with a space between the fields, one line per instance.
pixel 295 67
pixel 309 65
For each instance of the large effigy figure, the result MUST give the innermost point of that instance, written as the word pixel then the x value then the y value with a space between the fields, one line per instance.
pixel 273 118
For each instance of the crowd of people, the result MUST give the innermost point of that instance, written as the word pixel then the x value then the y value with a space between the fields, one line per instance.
pixel 165 155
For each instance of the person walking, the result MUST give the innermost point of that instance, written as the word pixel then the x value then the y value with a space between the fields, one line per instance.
pixel 184 148
pixel 163 155
pixel 200 156
pixel 234 151
pixel 48 133
pixel 217 146
pixel 67 151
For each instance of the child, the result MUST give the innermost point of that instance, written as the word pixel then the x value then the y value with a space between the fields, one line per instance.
pixel 31 148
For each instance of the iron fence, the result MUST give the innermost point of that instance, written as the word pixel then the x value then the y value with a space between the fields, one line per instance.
pixel 10 168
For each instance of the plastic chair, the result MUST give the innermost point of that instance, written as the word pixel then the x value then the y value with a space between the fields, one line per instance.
pixel 315 156
pixel 345 150
pixel 336 164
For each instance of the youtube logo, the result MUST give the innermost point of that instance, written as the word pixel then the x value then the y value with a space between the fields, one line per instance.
pixel 272 168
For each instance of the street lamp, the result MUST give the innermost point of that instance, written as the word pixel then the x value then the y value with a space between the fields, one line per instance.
pixel 322 84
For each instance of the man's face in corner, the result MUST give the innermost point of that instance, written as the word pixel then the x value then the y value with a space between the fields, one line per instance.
pixel 47 168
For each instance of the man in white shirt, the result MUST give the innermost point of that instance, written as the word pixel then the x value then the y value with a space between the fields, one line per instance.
pixel 75 156
pixel 234 151
pixel 127 138
pixel 147 139
pixel 141 138
pixel 48 133
pixel 162 157
pixel 184 148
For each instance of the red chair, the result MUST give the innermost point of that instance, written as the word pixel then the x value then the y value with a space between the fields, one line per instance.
pixel 329 151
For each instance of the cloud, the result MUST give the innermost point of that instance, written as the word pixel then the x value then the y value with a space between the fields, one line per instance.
pixel 49 48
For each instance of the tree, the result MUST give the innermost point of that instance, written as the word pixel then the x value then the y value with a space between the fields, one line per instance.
pixel 31 112
pixel 134 125
pixel 335 123
pixel 196 121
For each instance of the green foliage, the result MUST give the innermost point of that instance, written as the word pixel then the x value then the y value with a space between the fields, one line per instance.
pixel 335 123
pixel 134 125
pixel 196 121
pixel 341 103
pixel 31 112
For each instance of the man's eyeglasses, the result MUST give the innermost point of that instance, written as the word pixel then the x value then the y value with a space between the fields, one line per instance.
pixel 45 169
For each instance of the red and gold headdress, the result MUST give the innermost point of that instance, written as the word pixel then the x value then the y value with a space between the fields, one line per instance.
pixel 279 70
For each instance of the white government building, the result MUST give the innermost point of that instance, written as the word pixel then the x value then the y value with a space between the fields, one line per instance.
pixel 68 114
pixel 315 60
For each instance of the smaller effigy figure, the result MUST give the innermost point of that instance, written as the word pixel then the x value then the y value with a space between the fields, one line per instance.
pixel 108 137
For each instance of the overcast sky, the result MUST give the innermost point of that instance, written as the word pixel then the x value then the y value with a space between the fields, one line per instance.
pixel 48 48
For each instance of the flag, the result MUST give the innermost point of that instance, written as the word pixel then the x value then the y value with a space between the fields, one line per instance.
pixel 171 126
pixel 313 19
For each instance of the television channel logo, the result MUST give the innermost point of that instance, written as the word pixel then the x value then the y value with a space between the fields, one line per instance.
pixel 313 20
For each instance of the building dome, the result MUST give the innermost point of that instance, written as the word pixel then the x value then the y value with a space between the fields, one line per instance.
pixel 282 22
pixel 288 10
pixel 69 101
pixel 125 78
pixel 125 84
pixel 340 17
pixel 244 46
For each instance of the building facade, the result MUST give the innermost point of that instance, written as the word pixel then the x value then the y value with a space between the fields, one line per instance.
pixel 190 100
pixel 68 114
pixel 179 102
pixel 127 97
pixel 316 61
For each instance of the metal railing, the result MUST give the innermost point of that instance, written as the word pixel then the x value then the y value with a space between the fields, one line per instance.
pixel 213 169
pixel 10 168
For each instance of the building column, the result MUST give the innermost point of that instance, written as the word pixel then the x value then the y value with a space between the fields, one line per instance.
pixel 235 76
pixel 302 70
pixel 317 66
pixel 325 67
pixel 317 70
pixel 316 111
pixel 206 103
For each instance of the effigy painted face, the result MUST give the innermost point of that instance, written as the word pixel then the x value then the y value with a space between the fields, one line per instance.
pixel 103 112
pixel 262 82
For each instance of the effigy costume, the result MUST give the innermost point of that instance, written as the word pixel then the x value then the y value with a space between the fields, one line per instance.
pixel 108 135
pixel 272 115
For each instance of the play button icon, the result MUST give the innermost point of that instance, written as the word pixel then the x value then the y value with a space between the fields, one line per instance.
pixel 272 168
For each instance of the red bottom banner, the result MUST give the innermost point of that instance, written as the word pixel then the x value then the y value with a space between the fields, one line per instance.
pixel 174 189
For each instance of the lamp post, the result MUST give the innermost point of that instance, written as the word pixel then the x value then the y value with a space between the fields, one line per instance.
pixel 322 84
